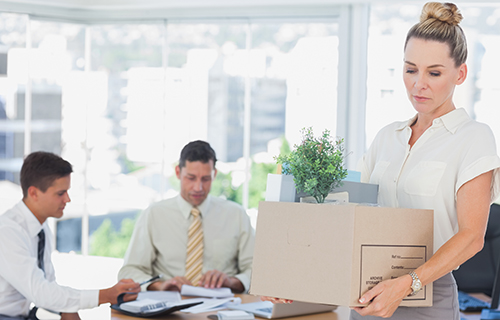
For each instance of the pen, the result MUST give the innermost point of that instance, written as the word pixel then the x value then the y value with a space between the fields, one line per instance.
pixel 150 280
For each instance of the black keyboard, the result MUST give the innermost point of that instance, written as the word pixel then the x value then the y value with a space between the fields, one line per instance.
pixel 467 302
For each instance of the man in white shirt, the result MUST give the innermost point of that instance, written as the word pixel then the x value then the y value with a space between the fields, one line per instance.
pixel 160 241
pixel 26 271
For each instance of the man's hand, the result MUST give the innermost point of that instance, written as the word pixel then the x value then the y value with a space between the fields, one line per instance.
pixel 70 316
pixel 125 285
pixel 174 284
pixel 217 279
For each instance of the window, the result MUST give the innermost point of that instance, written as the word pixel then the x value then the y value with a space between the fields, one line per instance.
pixel 120 101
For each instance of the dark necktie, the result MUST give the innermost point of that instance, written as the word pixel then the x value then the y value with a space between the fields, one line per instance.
pixel 41 249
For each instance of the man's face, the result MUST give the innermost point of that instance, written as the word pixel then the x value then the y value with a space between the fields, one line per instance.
pixel 52 202
pixel 196 180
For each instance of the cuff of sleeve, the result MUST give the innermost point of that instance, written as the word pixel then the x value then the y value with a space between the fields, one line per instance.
pixel 89 299
pixel 479 167
pixel 245 280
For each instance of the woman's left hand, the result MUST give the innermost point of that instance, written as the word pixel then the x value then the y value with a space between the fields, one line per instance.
pixel 385 297
pixel 275 300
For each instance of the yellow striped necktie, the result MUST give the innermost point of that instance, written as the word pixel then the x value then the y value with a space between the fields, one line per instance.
pixel 194 257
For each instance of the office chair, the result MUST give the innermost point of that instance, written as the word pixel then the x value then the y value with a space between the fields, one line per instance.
pixel 478 273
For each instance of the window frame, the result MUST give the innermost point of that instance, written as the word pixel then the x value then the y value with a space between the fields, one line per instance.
pixel 353 20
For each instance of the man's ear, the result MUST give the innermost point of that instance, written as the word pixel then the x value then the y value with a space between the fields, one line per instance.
pixel 215 173
pixel 33 192
pixel 178 172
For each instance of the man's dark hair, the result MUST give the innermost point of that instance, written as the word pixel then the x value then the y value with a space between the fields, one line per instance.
pixel 40 169
pixel 197 151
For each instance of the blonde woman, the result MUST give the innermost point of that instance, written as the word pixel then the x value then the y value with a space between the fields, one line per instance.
pixel 440 159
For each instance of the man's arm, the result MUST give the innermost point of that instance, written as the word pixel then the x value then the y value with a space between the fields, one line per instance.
pixel 246 247
pixel 241 281
pixel 19 268
pixel 140 252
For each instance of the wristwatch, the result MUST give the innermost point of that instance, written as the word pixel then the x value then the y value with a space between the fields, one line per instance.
pixel 416 285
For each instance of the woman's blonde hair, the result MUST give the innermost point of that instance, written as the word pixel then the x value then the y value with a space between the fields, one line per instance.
pixel 439 22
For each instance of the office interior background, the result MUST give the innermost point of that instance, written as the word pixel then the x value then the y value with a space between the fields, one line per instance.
pixel 118 87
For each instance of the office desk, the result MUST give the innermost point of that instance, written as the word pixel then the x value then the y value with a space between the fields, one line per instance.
pixel 341 313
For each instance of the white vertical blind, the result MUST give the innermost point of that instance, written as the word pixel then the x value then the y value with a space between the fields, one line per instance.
pixel 351 106
pixel 85 216
pixel 247 117
pixel 27 94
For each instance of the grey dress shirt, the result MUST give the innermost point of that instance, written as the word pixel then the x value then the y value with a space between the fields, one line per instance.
pixel 159 241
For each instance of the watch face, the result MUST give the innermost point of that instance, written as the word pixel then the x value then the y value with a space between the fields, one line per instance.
pixel 418 285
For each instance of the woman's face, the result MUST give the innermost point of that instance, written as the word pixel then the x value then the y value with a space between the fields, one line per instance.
pixel 430 76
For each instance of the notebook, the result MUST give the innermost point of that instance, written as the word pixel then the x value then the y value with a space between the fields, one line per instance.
pixel 268 310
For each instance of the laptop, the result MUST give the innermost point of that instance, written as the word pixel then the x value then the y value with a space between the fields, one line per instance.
pixel 269 310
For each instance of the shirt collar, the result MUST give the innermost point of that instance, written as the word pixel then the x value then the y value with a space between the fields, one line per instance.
pixel 454 119
pixel 32 222
pixel 406 124
pixel 186 207
pixel 451 121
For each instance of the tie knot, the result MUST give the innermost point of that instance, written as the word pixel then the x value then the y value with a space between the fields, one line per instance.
pixel 41 234
pixel 195 212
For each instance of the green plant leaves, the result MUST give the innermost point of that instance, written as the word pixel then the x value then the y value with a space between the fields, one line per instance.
pixel 317 164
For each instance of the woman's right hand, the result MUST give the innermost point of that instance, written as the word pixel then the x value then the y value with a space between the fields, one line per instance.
pixel 276 300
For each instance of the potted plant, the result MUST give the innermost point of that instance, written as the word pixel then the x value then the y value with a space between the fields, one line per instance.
pixel 317 164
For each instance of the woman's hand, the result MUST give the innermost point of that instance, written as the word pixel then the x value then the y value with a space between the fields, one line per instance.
pixel 276 300
pixel 385 297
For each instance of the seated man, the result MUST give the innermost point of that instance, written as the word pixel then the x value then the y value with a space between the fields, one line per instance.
pixel 26 270
pixel 193 238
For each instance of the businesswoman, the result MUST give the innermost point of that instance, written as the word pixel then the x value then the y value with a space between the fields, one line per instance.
pixel 440 159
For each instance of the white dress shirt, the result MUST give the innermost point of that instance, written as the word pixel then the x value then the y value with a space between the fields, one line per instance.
pixel 21 281
pixel 454 150
pixel 158 244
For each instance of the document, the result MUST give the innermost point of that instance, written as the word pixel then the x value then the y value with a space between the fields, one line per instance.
pixel 235 315
pixel 170 296
pixel 187 290
pixel 211 304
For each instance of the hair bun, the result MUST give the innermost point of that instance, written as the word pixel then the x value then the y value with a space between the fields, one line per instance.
pixel 444 12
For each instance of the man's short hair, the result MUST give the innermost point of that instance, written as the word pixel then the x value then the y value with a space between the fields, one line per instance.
pixel 40 169
pixel 197 151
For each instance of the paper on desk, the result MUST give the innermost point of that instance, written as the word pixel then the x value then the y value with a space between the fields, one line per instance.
pixel 153 301
pixel 187 290
pixel 166 296
pixel 210 304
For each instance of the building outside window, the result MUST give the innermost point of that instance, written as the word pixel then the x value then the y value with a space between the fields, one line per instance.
pixel 120 100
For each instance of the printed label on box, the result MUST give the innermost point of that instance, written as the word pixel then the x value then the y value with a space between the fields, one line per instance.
pixel 384 262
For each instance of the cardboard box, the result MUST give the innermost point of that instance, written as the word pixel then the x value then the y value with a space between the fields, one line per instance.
pixel 332 254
